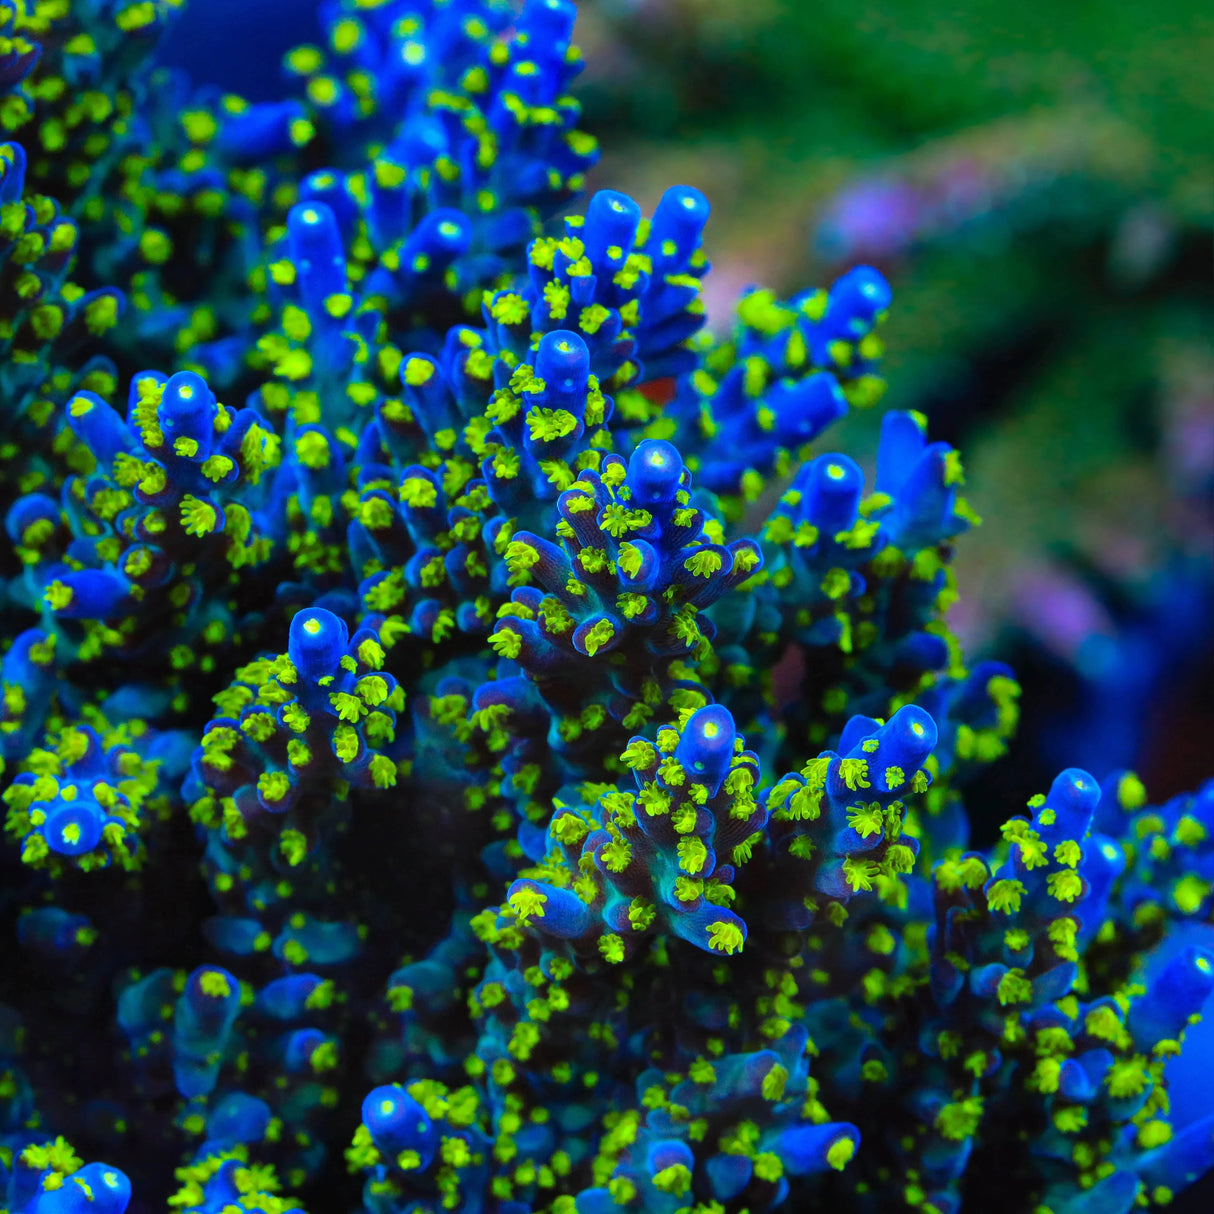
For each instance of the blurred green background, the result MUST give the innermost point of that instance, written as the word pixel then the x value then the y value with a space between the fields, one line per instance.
pixel 1037 182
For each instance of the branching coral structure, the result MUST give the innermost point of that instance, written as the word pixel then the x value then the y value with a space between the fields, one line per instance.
pixel 468 744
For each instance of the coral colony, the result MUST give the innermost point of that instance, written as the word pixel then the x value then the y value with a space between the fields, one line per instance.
pixel 463 746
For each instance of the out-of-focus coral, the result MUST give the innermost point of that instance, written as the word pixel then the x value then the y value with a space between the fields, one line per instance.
pixel 467 742
pixel 1070 173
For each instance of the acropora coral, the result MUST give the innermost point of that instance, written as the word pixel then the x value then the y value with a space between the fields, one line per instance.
pixel 466 740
